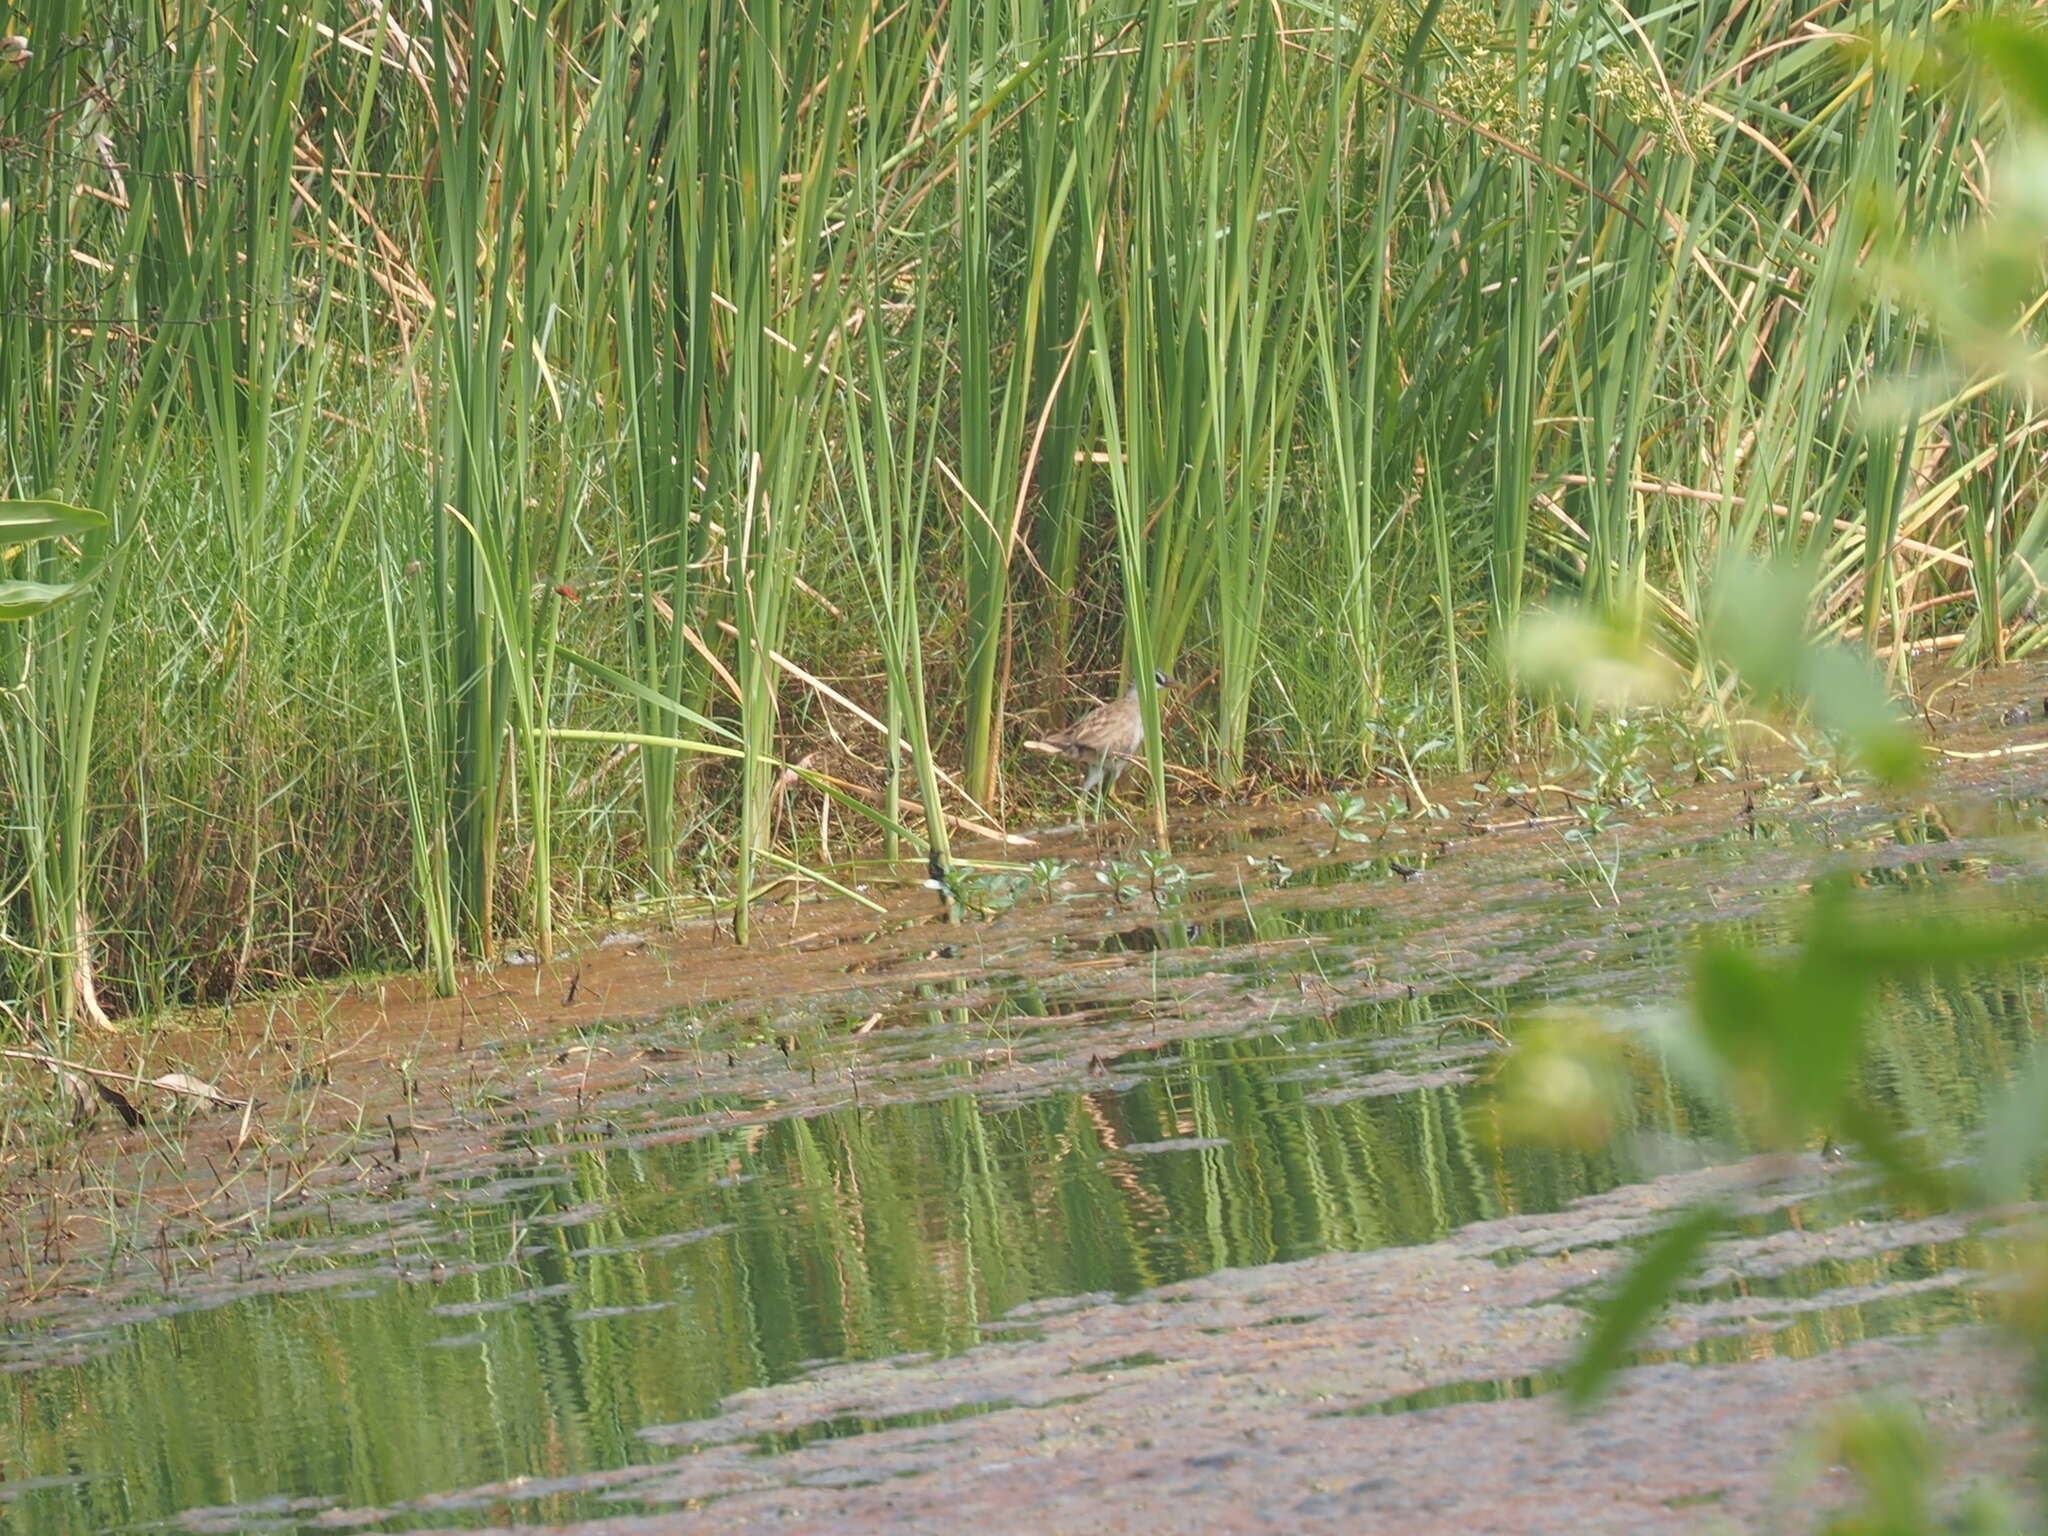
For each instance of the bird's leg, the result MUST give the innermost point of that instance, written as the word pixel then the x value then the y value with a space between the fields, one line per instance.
pixel 1116 774
pixel 1093 782
pixel 1112 777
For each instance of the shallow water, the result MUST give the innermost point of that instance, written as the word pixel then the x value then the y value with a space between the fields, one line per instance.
pixel 1078 1097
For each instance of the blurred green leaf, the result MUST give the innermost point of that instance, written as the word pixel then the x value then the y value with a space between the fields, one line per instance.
pixel 2016 1133
pixel 1788 1035
pixel 2015 54
pixel 1644 1290
pixel 1603 661
pixel 1885 1447
pixel 1845 695
pixel 25 599
pixel 23 521
pixel 1565 1083
pixel 1909 1178
pixel 1898 947
pixel 1756 622
pixel 1757 627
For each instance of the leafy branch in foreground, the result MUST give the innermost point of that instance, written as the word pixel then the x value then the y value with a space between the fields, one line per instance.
pixel 1782 1041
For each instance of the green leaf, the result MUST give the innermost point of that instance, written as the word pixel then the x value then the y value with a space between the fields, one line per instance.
pixel 1849 698
pixel 1903 948
pixel 1621 1318
pixel 2016 1134
pixel 1757 622
pixel 642 692
pixel 1787 1037
pixel 1908 1176
pixel 1732 995
pixel 2016 54
pixel 1758 626
pixel 26 599
pixel 22 521
pixel 1821 1010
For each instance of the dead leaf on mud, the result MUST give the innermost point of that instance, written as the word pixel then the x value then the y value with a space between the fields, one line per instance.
pixel 187 1086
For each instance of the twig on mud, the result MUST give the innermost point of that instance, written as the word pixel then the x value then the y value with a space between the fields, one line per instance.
pixel 269 1201
pixel 1977 757
pixel 1517 825
pixel 321 1063
pixel 1476 1022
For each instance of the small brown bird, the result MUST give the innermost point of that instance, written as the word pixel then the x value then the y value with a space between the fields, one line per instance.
pixel 1107 738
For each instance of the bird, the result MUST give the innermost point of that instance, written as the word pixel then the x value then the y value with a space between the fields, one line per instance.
pixel 1107 738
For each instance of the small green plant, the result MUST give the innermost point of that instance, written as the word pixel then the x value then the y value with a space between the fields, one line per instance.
pixel 1595 817
pixel 1597 875
pixel 1612 755
pixel 1389 811
pixel 1820 767
pixel 1698 752
pixel 1345 815
pixel 989 892
pixel 1045 876
pixel 1124 882
pixel 1397 732
pixel 1164 879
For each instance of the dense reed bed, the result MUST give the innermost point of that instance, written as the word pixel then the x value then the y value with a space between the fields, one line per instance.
pixel 523 433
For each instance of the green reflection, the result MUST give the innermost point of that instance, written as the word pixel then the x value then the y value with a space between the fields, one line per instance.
pixel 638 1282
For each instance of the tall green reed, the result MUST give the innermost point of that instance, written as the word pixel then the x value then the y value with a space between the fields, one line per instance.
pixel 792 81
pixel 891 467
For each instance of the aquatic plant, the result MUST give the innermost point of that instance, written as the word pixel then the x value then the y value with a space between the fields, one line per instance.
pixel 1345 815
pixel 1124 882
pixel 1165 878
pixel 1045 876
